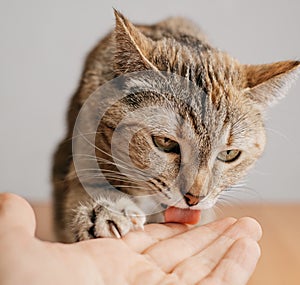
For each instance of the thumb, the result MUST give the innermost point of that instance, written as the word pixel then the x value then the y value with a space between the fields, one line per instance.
pixel 15 213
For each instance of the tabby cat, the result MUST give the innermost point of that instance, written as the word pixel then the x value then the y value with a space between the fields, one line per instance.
pixel 221 136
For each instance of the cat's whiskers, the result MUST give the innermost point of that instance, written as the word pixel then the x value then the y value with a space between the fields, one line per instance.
pixel 101 160
pixel 129 186
pixel 102 151
pixel 107 171
pixel 243 189
pixel 121 162
pixel 132 180
pixel 239 194
pixel 217 210
pixel 96 171
pixel 280 134
pixel 96 176
pixel 113 177
pixel 225 201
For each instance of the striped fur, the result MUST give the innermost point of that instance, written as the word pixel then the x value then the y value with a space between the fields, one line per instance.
pixel 229 116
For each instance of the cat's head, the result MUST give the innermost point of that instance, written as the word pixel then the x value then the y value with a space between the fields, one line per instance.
pixel 199 141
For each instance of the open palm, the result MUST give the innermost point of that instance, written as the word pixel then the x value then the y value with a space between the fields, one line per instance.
pixel 223 252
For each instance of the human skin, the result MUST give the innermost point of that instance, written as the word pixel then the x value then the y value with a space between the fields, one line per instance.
pixel 220 253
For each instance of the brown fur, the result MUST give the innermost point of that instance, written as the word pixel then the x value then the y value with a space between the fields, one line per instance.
pixel 237 96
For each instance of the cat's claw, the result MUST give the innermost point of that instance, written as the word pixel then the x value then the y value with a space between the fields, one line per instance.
pixel 104 220
pixel 114 229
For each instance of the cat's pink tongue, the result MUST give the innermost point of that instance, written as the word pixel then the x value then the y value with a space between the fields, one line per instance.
pixel 184 216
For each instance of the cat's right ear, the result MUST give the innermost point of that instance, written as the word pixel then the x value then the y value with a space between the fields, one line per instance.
pixel 132 47
pixel 267 83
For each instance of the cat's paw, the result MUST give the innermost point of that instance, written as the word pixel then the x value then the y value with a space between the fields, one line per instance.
pixel 107 219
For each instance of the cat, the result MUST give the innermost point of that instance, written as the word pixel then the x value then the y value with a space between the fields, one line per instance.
pixel 226 142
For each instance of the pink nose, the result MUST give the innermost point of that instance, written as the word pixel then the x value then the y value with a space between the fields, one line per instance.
pixel 192 200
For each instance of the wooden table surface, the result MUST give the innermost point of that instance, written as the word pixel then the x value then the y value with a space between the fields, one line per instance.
pixel 280 260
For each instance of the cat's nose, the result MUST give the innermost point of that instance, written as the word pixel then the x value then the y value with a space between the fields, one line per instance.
pixel 191 199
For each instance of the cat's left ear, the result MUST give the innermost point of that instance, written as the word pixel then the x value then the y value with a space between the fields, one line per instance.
pixel 267 83
pixel 133 48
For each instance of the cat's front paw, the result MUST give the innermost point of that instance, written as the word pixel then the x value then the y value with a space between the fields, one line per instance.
pixel 107 219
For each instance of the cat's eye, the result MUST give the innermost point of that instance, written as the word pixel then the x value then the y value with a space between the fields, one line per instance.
pixel 229 155
pixel 166 145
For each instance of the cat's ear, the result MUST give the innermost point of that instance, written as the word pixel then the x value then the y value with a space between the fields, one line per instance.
pixel 132 47
pixel 267 83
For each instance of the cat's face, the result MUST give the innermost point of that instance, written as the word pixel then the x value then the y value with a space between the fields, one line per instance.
pixel 185 151
pixel 194 143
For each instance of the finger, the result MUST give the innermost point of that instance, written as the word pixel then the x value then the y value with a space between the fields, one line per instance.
pixel 15 215
pixel 170 252
pixel 237 265
pixel 206 260
pixel 139 241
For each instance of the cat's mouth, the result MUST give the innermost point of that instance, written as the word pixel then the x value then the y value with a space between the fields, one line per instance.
pixel 203 205
pixel 181 213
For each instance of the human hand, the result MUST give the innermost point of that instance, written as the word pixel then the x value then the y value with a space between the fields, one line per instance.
pixel 223 252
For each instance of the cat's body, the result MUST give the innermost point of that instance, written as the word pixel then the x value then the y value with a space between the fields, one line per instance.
pixel 229 142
